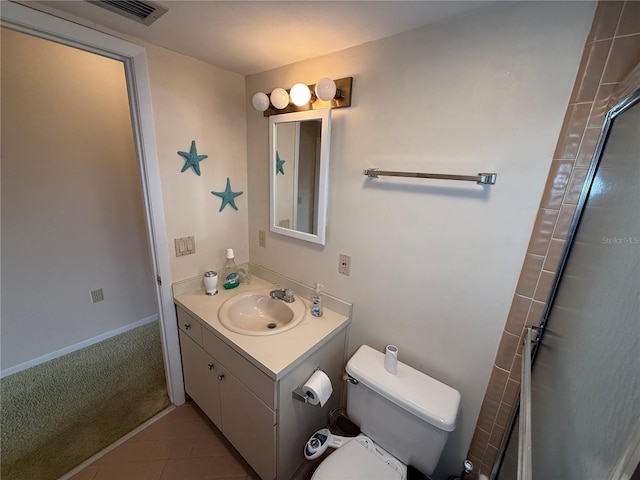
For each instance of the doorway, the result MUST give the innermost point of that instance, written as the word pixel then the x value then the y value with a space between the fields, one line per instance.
pixel 152 303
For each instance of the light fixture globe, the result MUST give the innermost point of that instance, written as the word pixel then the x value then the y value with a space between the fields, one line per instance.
pixel 326 89
pixel 279 98
pixel 260 101
pixel 300 94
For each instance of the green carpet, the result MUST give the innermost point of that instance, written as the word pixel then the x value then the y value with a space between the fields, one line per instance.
pixel 58 414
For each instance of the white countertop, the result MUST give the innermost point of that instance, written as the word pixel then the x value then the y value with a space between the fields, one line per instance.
pixel 274 354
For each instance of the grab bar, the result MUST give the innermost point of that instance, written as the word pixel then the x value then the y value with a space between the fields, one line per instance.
pixel 481 178
pixel 524 435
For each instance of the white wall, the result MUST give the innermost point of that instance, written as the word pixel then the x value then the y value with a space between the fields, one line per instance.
pixel 72 210
pixel 193 100
pixel 434 264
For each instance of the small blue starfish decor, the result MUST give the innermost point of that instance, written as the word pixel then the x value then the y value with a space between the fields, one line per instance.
pixel 228 197
pixel 279 164
pixel 192 158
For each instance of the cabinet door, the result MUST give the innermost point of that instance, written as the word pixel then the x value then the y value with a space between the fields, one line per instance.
pixel 201 377
pixel 249 425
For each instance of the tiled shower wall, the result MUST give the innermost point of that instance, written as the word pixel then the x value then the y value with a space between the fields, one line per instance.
pixel 611 52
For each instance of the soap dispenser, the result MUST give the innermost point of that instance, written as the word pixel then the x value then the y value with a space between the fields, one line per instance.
pixel 316 307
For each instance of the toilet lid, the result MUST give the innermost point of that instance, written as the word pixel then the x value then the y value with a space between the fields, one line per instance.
pixel 354 461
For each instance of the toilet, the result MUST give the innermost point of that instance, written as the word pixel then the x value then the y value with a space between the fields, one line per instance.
pixel 405 419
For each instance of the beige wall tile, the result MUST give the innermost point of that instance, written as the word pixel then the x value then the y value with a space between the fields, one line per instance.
pixel 487 416
pixel 576 183
pixel 479 443
pixel 572 131
pixel 489 459
pixel 557 182
pixel 496 436
pixel 554 255
pixel 605 20
pixel 625 55
pixel 504 415
pixel 517 314
pixel 544 286
pixel 564 221
pixel 536 313
pixel 506 351
pixel 497 384
pixel 592 65
pixel 529 276
pixel 601 105
pixel 630 21
pixel 511 392
pixel 542 230
pixel 588 147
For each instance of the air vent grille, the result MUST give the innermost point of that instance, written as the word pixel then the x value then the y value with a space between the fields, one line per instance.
pixel 143 12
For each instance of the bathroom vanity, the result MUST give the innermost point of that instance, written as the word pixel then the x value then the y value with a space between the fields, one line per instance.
pixel 245 383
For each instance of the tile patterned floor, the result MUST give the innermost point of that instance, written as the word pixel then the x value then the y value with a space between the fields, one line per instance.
pixel 182 445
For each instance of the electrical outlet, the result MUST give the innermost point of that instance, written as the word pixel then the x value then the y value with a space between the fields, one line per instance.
pixel 344 266
pixel 262 238
pixel 97 295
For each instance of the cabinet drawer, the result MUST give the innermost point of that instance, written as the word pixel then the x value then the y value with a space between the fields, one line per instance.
pixel 262 386
pixel 190 326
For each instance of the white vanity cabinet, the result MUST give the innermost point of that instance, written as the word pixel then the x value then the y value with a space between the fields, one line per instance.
pixel 229 401
pixel 255 409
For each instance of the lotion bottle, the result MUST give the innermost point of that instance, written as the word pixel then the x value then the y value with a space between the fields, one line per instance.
pixel 316 307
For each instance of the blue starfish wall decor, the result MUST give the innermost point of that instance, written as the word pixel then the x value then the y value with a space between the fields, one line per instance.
pixel 279 164
pixel 228 197
pixel 192 158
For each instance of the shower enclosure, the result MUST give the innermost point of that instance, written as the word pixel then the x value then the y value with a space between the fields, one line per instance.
pixel 585 378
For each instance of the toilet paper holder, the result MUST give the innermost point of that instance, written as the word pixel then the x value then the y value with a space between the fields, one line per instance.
pixel 298 394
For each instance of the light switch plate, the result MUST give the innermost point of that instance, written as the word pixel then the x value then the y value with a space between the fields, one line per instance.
pixel 185 246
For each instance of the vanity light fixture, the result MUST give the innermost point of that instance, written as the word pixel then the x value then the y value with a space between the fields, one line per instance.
pixel 327 93
pixel 279 98
pixel 300 94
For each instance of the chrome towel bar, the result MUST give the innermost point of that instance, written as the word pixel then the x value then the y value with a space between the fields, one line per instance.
pixel 481 178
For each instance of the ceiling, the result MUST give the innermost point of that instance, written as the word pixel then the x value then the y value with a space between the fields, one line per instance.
pixel 249 37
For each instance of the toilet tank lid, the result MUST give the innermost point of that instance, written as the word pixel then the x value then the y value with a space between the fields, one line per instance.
pixel 427 398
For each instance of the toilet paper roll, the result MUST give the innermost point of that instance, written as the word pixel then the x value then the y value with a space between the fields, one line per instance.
pixel 318 388
pixel 391 359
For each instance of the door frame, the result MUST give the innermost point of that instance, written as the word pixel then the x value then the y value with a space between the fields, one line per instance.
pixel 42 25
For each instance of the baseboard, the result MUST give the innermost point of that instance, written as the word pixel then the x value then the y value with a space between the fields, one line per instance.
pixel 77 346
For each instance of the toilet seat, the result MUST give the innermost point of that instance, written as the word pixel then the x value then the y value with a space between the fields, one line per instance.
pixel 360 459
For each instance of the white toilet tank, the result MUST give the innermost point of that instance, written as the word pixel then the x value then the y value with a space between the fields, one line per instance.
pixel 409 414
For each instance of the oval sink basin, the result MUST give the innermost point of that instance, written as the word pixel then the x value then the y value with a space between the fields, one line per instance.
pixel 256 313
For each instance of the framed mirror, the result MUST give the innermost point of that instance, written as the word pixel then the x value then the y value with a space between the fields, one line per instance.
pixel 299 145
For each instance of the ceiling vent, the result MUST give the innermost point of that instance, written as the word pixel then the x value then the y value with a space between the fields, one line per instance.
pixel 142 12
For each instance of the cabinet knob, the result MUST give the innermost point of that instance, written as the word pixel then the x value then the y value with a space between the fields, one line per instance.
pixel 210 366
pixel 221 376
pixel 187 326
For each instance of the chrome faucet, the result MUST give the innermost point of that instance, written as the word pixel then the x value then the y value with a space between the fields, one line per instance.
pixel 284 294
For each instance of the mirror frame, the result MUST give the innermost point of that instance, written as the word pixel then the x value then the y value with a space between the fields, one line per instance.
pixel 323 178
